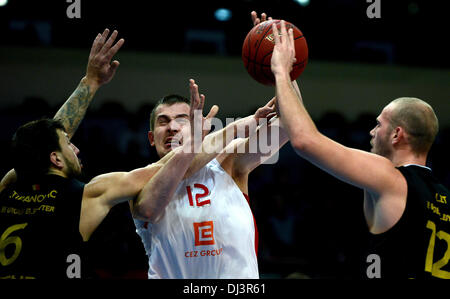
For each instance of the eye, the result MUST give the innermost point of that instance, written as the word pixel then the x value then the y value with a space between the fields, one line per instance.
pixel 181 120
pixel 162 121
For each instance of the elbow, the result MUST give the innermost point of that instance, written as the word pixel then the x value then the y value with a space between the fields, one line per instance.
pixel 142 212
pixel 305 144
pixel 300 143
pixel 297 143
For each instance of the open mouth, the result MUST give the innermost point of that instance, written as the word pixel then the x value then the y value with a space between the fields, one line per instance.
pixel 171 141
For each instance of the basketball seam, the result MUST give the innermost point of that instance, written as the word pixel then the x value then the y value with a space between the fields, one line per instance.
pixel 259 45
pixel 264 57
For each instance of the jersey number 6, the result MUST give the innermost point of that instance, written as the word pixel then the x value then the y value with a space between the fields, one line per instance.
pixel 6 240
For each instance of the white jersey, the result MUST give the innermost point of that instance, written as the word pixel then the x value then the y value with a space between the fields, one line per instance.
pixel 207 231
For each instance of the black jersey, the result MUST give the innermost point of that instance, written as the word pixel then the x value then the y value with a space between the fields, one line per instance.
pixel 39 229
pixel 418 245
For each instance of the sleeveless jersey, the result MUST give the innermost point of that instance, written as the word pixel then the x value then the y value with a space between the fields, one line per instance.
pixel 207 231
pixel 39 229
pixel 418 245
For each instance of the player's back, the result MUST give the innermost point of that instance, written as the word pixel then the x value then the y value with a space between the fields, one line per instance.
pixel 418 245
pixel 39 228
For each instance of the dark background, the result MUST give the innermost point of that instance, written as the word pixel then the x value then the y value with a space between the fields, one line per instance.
pixel 416 28
pixel 310 224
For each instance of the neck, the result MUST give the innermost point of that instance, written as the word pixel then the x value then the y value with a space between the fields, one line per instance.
pixel 57 172
pixel 405 157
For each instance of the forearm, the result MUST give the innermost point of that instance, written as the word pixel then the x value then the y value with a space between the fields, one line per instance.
pixel 159 190
pixel 297 90
pixel 216 142
pixel 74 109
pixel 294 117
pixel 260 147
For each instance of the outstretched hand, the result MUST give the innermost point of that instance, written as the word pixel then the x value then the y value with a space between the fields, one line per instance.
pixel 268 111
pixel 100 70
pixel 283 55
pixel 197 101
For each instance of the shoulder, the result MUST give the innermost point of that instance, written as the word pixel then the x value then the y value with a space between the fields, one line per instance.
pixel 8 179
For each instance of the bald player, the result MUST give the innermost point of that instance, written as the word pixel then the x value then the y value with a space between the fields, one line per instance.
pixel 406 208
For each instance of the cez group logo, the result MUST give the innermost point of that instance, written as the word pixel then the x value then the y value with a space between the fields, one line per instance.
pixel 204 233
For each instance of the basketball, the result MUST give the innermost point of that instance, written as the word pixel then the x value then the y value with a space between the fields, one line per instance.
pixel 257 52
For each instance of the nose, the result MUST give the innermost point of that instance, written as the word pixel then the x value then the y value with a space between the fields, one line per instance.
pixel 75 149
pixel 372 132
pixel 174 126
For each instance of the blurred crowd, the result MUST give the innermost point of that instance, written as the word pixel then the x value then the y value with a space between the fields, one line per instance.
pixel 310 224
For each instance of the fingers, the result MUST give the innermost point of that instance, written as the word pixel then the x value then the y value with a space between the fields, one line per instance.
pixel 202 102
pixel 283 35
pixel 268 110
pixel 212 113
pixel 270 116
pixel 194 90
pixel 290 37
pixel 263 17
pixel 271 102
pixel 99 41
pixel 257 20
pixel 196 99
pixel 104 35
pixel 102 45
pixel 109 42
pixel 283 30
pixel 94 45
pixel 114 65
pixel 114 49
pixel 276 35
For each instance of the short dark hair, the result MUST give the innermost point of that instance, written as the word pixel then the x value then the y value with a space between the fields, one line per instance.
pixel 32 144
pixel 167 100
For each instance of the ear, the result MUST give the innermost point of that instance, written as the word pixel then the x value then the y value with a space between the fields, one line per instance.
pixel 56 160
pixel 398 134
pixel 151 138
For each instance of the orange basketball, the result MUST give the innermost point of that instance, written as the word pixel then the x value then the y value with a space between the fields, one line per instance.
pixel 257 52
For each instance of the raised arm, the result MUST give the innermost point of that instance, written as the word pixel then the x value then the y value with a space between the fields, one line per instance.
pixel 264 143
pixel 258 148
pixel 100 70
pixel 362 169
pixel 216 143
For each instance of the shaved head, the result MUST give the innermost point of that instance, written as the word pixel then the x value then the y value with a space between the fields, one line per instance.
pixel 418 119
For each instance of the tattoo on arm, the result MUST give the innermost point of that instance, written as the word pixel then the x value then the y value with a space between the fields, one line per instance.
pixel 73 110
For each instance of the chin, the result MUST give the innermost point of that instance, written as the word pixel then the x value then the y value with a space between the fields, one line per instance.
pixel 163 152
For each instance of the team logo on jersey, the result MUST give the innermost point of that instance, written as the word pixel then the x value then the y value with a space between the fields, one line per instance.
pixel 204 233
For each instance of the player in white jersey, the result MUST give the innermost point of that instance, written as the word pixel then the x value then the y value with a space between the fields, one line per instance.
pixel 198 224
pixel 207 230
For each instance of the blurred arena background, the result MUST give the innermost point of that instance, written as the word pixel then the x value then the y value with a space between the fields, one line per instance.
pixel 310 224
